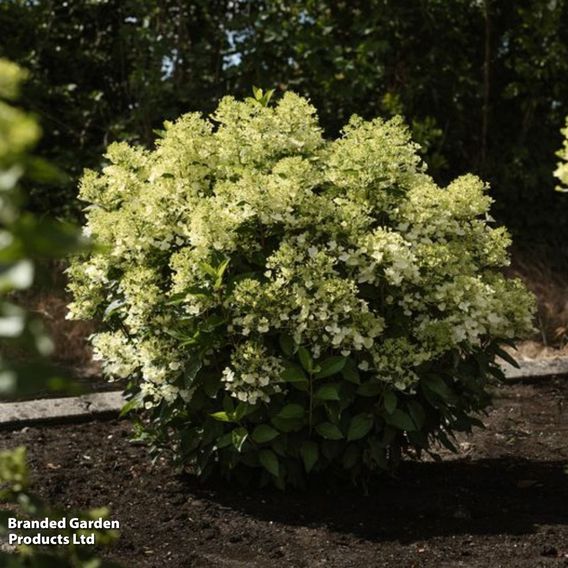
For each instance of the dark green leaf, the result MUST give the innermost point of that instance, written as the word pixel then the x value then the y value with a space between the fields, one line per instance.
pixel 370 388
pixel 437 385
pixel 305 359
pixel 293 374
pixel 287 344
pixel 309 452
pixel 328 392
pixel 228 404
pixel 132 404
pixel 400 420
pixel 211 384
pixel 506 357
pixel 330 367
pixel 192 367
pixel 417 413
pixel 243 409
pixel 264 433
pixel 350 372
pixel 288 424
pixel 291 411
pixel 476 422
pixel 446 442
pixel 212 322
pixel 238 438
pixel 329 431
pixel 390 401
pixel 497 372
pixel 360 426
pixel 269 461
pixel 225 440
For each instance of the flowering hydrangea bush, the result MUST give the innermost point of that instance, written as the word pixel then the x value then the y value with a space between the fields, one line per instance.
pixel 561 171
pixel 285 304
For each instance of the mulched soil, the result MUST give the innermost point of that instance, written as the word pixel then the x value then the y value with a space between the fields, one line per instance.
pixel 503 502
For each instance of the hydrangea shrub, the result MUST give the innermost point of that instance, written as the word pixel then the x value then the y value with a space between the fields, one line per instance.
pixel 285 304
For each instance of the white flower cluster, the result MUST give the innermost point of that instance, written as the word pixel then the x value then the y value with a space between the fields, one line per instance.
pixel 235 231
pixel 251 376
pixel 305 296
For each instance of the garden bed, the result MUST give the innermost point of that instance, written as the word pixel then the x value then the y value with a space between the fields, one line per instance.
pixel 502 502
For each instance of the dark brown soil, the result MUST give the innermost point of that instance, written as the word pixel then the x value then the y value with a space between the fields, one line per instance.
pixel 502 503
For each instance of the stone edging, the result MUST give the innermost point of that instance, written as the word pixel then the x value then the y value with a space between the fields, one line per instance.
pixel 57 410
pixel 537 368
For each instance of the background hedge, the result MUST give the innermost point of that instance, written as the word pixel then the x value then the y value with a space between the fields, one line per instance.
pixel 484 84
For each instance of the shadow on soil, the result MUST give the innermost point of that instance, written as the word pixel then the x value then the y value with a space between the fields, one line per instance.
pixel 483 497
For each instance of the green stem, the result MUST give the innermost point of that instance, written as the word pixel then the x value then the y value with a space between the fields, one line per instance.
pixel 310 417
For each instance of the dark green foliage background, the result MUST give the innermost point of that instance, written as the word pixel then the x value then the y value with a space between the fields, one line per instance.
pixel 484 84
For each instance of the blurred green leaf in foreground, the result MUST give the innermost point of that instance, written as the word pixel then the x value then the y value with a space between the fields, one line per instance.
pixel 24 240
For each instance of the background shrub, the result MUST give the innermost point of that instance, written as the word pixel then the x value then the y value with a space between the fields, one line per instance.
pixel 25 241
pixel 483 84
pixel 289 304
